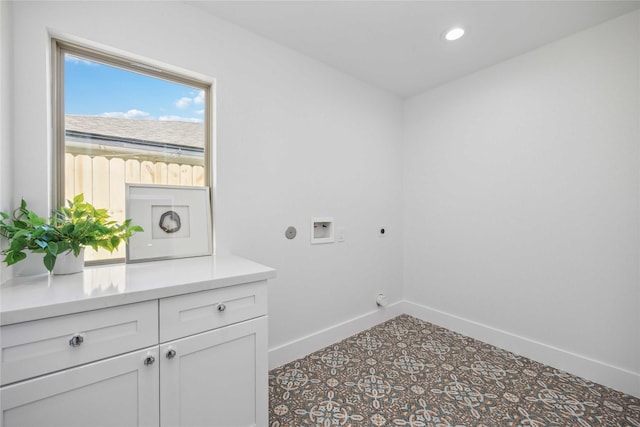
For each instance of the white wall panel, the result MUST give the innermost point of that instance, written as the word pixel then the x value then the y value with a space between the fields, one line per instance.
pixel 521 196
pixel 295 139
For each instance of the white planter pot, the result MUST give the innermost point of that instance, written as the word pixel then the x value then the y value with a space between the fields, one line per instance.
pixel 68 263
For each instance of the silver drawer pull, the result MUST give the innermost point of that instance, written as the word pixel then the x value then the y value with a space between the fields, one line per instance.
pixel 171 354
pixel 148 361
pixel 76 340
pixel 222 307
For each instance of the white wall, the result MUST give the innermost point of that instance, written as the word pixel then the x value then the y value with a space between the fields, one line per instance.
pixel 6 61
pixel 295 139
pixel 521 202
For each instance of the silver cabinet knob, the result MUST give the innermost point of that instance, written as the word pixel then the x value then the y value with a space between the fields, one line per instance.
pixel 148 361
pixel 171 354
pixel 76 340
pixel 222 307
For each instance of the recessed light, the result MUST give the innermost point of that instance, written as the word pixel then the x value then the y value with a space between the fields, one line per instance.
pixel 454 34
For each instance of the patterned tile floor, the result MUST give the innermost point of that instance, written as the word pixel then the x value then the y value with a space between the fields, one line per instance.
pixel 406 372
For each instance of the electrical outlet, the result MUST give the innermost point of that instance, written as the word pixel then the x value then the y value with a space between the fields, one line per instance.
pixel 382 300
pixel 340 234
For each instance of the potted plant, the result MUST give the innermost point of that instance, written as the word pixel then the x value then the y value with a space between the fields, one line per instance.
pixel 67 232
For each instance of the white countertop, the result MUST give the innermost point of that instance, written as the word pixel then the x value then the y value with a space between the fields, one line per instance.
pixel 37 297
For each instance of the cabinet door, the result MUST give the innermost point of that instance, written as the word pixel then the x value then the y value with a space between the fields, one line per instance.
pixel 121 391
pixel 217 378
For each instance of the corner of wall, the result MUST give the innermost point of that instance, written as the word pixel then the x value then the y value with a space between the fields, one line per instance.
pixel 301 347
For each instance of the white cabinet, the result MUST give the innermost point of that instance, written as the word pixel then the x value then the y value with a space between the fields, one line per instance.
pixel 120 391
pixel 189 314
pixel 194 359
pixel 48 345
pixel 217 378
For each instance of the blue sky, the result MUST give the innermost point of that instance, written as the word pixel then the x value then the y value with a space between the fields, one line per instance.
pixel 93 89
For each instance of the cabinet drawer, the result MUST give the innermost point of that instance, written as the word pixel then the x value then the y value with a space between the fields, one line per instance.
pixel 42 346
pixel 190 314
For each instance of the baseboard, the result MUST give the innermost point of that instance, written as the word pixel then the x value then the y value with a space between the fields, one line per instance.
pixel 590 369
pixel 301 347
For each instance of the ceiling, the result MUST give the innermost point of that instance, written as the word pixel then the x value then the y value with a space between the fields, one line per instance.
pixel 397 45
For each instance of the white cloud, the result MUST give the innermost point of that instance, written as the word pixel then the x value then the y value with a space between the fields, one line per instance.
pixel 186 101
pixel 183 102
pixel 131 114
pixel 75 60
pixel 173 118
pixel 199 111
pixel 199 98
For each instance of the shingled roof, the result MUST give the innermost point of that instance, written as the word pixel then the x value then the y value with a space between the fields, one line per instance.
pixel 155 132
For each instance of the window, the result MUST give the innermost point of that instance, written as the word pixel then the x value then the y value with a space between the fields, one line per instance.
pixel 119 121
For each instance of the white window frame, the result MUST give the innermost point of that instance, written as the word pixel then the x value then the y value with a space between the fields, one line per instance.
pixel 60 47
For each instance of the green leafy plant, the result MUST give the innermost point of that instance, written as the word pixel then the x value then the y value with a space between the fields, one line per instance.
pixel 69 228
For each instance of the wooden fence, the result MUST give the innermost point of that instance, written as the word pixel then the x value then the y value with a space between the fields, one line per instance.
pixel 102 181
